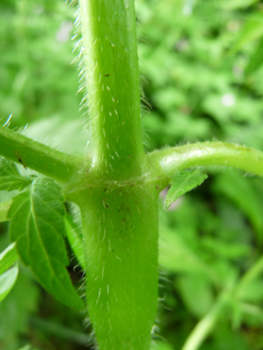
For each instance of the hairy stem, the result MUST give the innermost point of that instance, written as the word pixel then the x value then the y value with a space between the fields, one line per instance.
pixel 111 68
pixel 119 205
pixel 167 161
pixel 36 156
pixel 120 226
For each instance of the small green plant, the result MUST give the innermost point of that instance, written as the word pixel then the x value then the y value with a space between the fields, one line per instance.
pixel 116 185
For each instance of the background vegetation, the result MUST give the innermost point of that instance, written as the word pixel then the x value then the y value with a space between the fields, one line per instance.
pixel 201 76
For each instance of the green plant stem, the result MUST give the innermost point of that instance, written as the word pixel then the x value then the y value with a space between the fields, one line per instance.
pixel 206 324
pixel 112 76
pixel 119 205
pixel 166 162
pixel 121 250
pixel 36 156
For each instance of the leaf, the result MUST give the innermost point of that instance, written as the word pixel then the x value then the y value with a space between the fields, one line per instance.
pixel 235 4
pixel 75 240
pixel 4 208
pixel 203 292
pixel 8 257
pixel 37 225
pixel 240 191
pixel 183 182
pixel 252 30
pixel 7 281
pixel 176 256
pixel 27 347
pixel 8 168
pixel 10 178
pixel 255 60
pixel 8 277
pixel 56 131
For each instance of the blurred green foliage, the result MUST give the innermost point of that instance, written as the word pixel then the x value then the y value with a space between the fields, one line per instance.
pixel 202 79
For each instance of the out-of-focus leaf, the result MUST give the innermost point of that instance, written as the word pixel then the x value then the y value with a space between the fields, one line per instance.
pixel 75 240
pixel 37 225
pixel 158 345
pixel 4 208
pixel 7 281
pixel 56 132
pixel 22 300
pixel 176 256
pixel 225 250
pixel 8 257
pixel 252 310
pixel 183 182
pixel 28 347
pixel 239 190
pixel 256 59
pixel 252 30
pixel 235 4
pixel 252 291
pixel 196 292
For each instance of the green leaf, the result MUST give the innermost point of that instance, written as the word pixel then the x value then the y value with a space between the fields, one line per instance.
pixel 4 208
pixel 10 178
pixel 176 256
pixel 75 240
pixel 203 292
pixel 7 281
pixel 27 347
pixel 8 168
pixel 8 257
pixel 252 30
pixel 183 182
pixel 8 276
pixel 235 4
pixel 255 60
pixel 239 189
pixel 37 225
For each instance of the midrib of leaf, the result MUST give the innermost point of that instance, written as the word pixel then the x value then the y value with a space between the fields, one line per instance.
pixel 34 217
pixel 42 210
pixel 42 218
pixel 48 258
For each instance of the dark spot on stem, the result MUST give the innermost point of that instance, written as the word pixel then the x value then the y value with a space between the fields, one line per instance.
pixel 20 159
pixel 106 205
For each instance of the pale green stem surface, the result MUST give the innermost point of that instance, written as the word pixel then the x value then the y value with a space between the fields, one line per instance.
pixel 119 205
pixel 111 68
pixel 121 249
pixel 36 156
pixel 168 161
